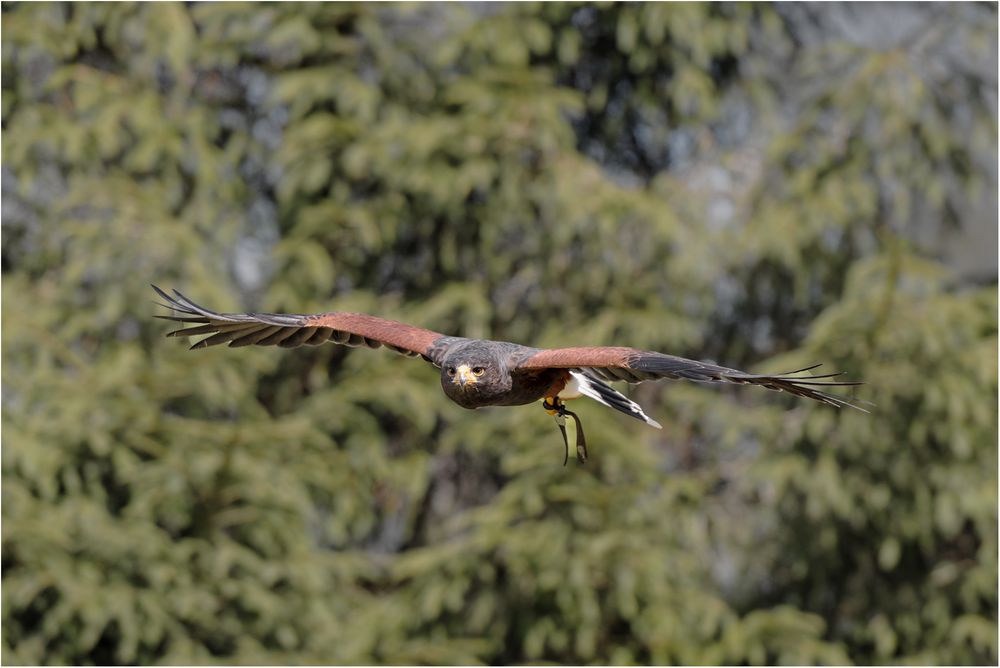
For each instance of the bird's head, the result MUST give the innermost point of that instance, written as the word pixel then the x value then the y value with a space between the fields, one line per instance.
pixel 474 377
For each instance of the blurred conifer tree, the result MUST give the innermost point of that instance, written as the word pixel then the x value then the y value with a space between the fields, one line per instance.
pixel 729 181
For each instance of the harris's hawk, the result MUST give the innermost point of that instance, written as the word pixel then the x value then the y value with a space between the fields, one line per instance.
pixel 477 372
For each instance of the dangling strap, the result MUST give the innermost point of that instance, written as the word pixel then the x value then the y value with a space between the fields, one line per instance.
pixel 561 421
pixel 557 409
pixel 581 439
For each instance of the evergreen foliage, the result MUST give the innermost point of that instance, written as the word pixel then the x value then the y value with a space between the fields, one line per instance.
pixel 541 173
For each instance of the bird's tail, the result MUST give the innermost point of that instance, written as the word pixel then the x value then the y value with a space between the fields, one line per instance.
pixel 598 390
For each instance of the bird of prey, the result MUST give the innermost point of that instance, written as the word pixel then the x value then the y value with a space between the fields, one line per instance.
pixel 477 372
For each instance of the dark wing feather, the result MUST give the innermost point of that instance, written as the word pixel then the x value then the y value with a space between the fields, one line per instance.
pixel 635 366
pixel 290 330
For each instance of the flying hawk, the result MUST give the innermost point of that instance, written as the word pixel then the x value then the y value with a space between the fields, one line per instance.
pixel 477 372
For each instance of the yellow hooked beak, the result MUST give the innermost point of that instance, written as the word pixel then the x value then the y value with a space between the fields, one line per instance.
pixel 464 376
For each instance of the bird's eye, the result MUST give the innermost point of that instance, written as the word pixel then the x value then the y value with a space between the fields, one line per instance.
pixel 451 371
pixel 479 371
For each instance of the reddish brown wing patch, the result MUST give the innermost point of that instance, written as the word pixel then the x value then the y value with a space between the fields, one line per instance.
pixel 569 358
pixel 391 333
pixel 292 330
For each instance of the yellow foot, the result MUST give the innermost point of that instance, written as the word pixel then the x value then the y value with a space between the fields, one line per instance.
pixel 552 405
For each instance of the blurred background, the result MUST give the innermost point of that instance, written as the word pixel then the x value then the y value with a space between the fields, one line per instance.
pixel 763 186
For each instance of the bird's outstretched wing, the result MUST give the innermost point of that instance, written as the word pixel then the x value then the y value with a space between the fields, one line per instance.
pixel 290 330
pixel 634 366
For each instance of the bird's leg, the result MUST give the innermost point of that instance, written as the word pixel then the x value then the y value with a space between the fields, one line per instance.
pixel 555 407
